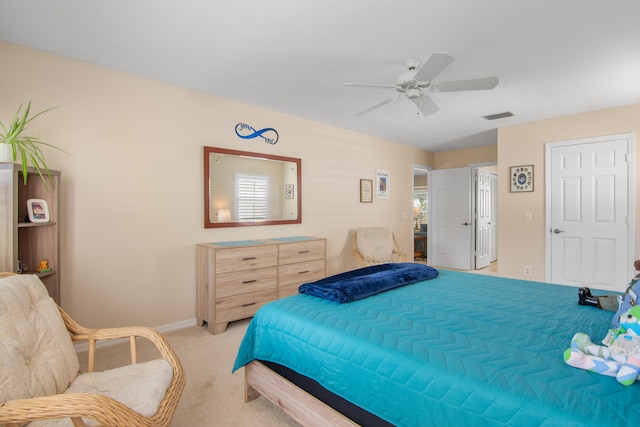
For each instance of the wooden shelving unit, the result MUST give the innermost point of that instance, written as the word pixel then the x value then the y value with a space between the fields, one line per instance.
pixel 26 241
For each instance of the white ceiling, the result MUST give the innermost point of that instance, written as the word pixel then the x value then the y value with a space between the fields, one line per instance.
pixel 553 57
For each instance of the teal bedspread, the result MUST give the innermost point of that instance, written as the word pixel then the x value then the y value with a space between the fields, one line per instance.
pixel 458 350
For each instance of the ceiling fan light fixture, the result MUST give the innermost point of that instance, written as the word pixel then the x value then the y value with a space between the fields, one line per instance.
pixel 413 93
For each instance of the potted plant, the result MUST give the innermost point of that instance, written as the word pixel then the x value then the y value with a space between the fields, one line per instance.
pixel 14 143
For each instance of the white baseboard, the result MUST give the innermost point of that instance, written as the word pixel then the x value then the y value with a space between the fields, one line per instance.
pixel 84 346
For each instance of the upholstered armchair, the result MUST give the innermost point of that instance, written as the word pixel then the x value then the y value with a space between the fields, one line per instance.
pixel 39 379
pixel 376 245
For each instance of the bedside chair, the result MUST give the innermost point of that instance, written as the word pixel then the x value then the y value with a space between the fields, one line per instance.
pixel 376 245
pixel 39 366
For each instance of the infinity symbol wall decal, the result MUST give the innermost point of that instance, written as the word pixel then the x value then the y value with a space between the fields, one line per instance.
pixel 242 128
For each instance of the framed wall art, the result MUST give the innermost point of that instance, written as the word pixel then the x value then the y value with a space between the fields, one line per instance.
pixel 383 184
pixel 521 179
pixel 366 191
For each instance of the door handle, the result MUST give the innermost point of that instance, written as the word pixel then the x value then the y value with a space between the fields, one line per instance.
pixel 556 231
pixel 465 223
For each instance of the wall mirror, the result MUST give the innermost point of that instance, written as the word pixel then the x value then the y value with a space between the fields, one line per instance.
pixel 244 189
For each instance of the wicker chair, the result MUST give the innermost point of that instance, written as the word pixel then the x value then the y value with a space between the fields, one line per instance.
pixel 376 245
pixel 39 368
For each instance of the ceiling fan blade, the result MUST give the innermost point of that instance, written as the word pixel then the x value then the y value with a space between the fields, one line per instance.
pixel 433 66
pixel 370 85
pixel 484 83
pixel 385 102
pixel 426 105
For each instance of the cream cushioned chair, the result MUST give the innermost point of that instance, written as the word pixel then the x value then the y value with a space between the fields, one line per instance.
pixel 376 245
pixel 39 379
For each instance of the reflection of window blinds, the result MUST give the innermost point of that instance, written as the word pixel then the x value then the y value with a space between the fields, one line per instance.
pixel 252 195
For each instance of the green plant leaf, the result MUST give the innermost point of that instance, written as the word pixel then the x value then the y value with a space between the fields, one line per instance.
pixel 28 146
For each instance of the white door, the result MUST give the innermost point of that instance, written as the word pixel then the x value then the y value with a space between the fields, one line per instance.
pixel 450 218
pixel 483 218
pixel 588 232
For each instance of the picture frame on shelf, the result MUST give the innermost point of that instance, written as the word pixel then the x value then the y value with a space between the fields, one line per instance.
pixel 522 178
pixel 383 184
pixel 38 210
pixel 366 191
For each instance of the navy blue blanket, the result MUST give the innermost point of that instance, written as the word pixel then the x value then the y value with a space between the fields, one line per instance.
pixel 364 282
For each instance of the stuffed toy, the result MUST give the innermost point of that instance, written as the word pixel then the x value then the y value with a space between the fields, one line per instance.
pixel 619 356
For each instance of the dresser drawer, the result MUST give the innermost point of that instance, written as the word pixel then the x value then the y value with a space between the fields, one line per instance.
pixel 291 276
pixel 301 251
pixel 239 282
pixel 246 258
pixel 242 306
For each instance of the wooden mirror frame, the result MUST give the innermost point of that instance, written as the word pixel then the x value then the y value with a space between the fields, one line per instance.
pixel 208 223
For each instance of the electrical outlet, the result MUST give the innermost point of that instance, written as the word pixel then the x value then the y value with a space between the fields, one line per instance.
pixel 527 270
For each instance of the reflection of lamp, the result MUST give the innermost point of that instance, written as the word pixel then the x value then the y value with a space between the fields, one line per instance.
pixel 416 212
pixel 224 215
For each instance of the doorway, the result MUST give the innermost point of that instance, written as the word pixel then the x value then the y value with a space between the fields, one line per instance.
pixel 420 212
pixel 463 217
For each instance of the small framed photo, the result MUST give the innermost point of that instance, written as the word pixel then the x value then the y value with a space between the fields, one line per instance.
pixel 38 210
pixel 521 179
pixel 366 191
pixel 288 191
pixel 383 184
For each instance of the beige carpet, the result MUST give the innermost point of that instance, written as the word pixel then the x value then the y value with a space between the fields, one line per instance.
pixel 213 396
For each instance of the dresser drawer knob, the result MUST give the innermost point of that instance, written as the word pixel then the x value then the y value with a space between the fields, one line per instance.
pixel 303 252
pixel 249 281
pixel 303 272
pixel 248 304
pixel 248 258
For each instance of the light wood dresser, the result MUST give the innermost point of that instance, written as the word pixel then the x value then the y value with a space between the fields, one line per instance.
pixel 234 279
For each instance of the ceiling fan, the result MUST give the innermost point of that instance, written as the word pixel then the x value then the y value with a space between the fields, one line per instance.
pixel 413 83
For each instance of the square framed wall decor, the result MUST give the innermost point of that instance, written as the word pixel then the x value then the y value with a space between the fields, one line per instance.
pixel 521 179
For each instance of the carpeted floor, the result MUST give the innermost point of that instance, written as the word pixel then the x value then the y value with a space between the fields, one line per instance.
pixel 213 396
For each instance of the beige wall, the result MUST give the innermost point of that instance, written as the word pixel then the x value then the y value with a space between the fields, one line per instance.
pixel 525 144
pixel 461 158
pixel 132 192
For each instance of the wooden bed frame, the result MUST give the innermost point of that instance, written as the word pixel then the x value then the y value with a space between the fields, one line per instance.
pixel 295 402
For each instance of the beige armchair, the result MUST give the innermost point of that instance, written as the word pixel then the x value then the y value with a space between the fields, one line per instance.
pixel 39 367
pixel 376 245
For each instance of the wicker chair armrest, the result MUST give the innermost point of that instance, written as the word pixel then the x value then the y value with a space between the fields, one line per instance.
pixel 401 256
pixel 125 332
pixel 80 333
pixel 102 409
pixel 356 255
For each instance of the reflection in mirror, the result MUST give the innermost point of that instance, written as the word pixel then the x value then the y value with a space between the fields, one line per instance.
pixel 243 189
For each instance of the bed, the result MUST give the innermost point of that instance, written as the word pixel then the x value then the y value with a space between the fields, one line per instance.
pixel 459 349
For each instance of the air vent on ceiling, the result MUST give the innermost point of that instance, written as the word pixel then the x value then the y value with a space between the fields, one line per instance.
pixel 498 116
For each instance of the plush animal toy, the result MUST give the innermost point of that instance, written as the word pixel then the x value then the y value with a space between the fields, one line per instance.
pixel 619 357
